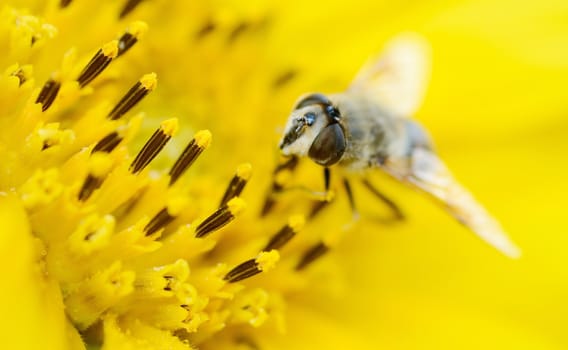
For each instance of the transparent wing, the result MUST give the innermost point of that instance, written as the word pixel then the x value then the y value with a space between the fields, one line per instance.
pixel 397 78
pixel 426 171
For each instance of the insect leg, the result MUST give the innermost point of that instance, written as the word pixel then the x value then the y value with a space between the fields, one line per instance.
pixel 326 178
pixel 392 205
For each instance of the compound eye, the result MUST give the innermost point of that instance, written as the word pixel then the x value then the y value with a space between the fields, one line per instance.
pixel 309 118
pixel 328 146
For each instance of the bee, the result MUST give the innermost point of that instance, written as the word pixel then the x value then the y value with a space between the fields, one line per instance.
pixel 368 126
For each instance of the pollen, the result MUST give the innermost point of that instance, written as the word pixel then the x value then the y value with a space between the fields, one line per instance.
pixel 137 255
pixel 203 138
pixel 267 260
pixel 110 49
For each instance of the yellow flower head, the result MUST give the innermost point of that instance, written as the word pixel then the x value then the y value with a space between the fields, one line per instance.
pixel 140 207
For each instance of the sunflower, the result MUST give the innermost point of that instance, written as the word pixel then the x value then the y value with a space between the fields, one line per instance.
pixel 138 143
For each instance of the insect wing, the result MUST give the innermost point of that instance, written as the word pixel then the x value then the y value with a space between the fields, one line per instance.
pixel 428 173
pixel 397 78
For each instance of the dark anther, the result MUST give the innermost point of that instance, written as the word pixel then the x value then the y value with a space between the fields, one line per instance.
pixel 215 221
pixel 133 96
pixel 19 73
pixel 317 207
pixel 268 205
pixel 237 183
pixel 282 237
pixel 95 67
pixel 107 143
pixel 311 255
pixel 150 150
pixel 159 221
pixel 284 78
pixel 48 93
pixel 195 147
pixel 125 42
pixel 207 28
pixel 129 7
pixel 64 3
pixel 246 341
pixel 89 186
pixel 238 31
pixel 245 270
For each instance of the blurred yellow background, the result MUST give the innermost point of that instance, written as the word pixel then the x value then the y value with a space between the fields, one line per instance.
pixel 496 107
pixel 498 111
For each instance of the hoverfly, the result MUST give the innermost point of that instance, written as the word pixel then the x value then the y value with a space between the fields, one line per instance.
pixel 368 127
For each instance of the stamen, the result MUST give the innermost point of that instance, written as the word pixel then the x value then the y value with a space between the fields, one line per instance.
pixel 238 31
pixel 108 143
pixel 220 218
pixel 98 63
pixel 286 233
pixel 136 93
pixel 41 188
pixel 284 78
pixel 51 135
pixel 92 233
pixel 269 202
pixel 154 145
pixel 247 342
pixel 158 222
pixel 129 7
pixel 21 75
pixel 64 3
pixel 200 142
pixel 317 207
pixel 311 255
pixel 48 93
pixel 263 262
pixel 237 183
pixel 207 28
pixel 91 184
pixel 166 215
pixel 99 166
pixel 131 36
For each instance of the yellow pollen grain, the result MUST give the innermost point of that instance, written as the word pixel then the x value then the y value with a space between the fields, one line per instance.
pixel 138 29
pixel 100 164
pixel 176 204
pixel 203 138
pixel 296 222
pixel 170 126
pixel 267 260
pixel 236 205
pixel 41 188
pixel 179 270
pixel 282 177
pixel 110 49
pixel 329 196
pixel 92 234
pixel 244 171
pixel 149 81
